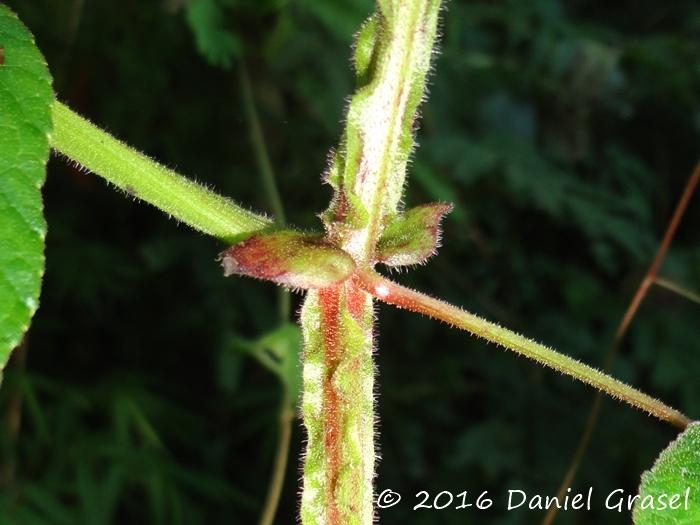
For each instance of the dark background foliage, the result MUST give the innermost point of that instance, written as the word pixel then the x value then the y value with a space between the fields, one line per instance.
pixel 563 131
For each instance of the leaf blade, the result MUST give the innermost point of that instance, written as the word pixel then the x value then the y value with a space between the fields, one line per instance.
pixel 25 120
pixel 676 471
pixel 412 237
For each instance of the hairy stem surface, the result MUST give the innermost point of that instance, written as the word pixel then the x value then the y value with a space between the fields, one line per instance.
pixel 392 57
pixel 338 382
pixel 141 177
pixel 403 297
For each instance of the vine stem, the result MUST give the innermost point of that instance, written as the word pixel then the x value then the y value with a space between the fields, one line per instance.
pixel 267 174
pixel 397 295
pixel 392 57
pixel 677 289
pixel 257 139
pixel 286 418
pixel 655 266
pixel 143 178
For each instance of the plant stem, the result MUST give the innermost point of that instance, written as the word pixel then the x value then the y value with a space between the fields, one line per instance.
pixel 141 177
pixel 260 148
pixel 403 297
pixel 658 260
pixel 338 403
pixel 284 429
pixel 392 58
pixel 388 114
pixel 677 289
pixel 267 174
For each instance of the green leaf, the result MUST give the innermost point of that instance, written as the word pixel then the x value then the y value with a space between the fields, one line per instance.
pixel 341 17
pixel 412 237
pixel 25 123
pixel 279 351
pixel 285 343
pixel 214 42
pixel 670 491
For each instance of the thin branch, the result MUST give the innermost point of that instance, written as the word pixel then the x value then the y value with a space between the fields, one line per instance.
pixel 393 293
pixel 286 417
pixel 650 278
pixel 260 148
pixel 677 289
pixel 653 270
pixel 267 174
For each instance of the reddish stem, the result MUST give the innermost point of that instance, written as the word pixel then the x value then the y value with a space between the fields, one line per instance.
pixel 329 301
pixel 393 293
pixel 653 270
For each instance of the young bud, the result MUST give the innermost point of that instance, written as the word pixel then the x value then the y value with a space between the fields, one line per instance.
pixel 289 258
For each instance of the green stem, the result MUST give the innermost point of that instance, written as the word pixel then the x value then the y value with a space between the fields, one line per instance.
pixel 338 402
pixel 677 289
pixel 403 297
pixel 392 58
pixel 141 177
pixel 260 149
pixel 286 417
pixel 395 97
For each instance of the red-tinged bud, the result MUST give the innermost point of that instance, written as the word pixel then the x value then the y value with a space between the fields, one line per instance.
pixel 412 237
pixel 289 258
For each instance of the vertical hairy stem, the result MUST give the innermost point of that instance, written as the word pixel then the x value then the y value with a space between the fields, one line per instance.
pixel 392 58
pixel 338 406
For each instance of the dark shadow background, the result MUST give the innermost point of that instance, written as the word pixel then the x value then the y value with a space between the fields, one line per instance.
pixel 563 131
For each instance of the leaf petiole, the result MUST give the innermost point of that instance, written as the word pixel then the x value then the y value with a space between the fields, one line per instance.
pixel 138 175
pixel 403 297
